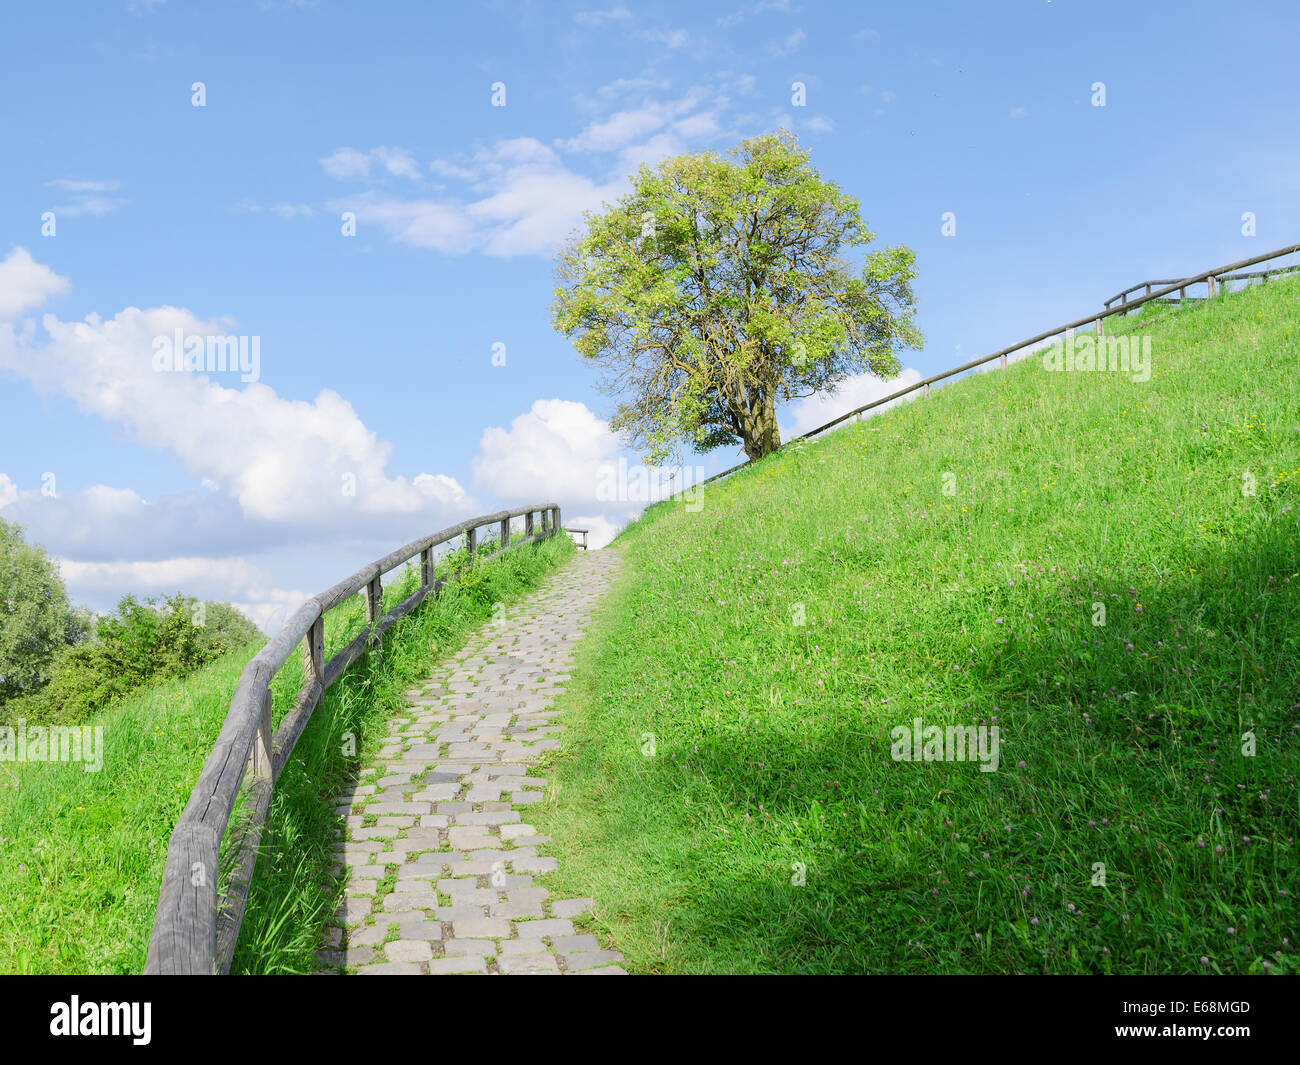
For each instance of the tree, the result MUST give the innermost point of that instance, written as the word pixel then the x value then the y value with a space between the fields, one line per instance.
pixel 36 622
pixel 716 288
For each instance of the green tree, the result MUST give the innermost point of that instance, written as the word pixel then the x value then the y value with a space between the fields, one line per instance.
pixel 36 622
pixel 716 289
pixel 140 642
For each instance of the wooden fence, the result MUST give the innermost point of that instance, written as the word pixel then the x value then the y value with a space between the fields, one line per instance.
pixel 194 932
pixel 1209 277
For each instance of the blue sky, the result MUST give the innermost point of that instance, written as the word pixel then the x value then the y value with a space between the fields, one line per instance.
pixel 376 350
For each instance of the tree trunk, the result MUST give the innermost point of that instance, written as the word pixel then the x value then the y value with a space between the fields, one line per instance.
pixel 760 433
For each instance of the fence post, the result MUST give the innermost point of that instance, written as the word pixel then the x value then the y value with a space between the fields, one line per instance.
pixel 426 567
pixel 1101 328
pixel 927 390
pixel 1210 282
pixel 528 525
pixel 374 604
pixel 313 652
pixel 1123 302
pixel 471 542
pixel 259 755
pixel 505 534
pixel 1003 360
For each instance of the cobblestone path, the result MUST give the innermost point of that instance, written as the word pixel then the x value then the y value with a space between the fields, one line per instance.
pixel 448 805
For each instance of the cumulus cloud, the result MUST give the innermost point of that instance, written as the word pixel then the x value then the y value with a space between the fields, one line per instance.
pixel 807 414
pixel 25 283
pixel 280 460
pixel 555 450
pixel 250 588
pixel 8 491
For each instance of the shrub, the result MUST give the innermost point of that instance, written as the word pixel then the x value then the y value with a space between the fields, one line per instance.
pixel 138 643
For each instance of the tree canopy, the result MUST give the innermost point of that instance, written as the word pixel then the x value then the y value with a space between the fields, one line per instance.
pixel 717 288
pixel 36 621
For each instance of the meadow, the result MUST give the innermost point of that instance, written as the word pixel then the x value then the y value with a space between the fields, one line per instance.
pixel 1106 569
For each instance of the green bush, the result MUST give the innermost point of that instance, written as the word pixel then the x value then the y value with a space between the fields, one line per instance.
pixel 36 622
pixel 140 642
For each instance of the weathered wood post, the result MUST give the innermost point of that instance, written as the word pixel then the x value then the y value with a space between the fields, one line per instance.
pixel 426 567
pixel 505 534
pixel 1101 327
pixel 927 390
pixel 528 525
pixel 1209 282
pixel 1003 361
pixel 259 754
pixel 313 653
pixel 471 543
pixel 374 607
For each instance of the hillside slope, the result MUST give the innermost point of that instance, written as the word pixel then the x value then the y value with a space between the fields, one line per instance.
pixel 82 853
pixel 720 752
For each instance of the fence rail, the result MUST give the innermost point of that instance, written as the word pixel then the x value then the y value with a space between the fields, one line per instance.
pixel 1209 277
pixel 194 930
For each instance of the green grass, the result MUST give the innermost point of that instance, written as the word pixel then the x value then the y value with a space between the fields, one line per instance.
pixel 1122 742
pixel 81 854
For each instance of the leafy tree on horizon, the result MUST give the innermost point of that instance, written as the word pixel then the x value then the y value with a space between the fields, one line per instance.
pixel 36 621
pixel 716 289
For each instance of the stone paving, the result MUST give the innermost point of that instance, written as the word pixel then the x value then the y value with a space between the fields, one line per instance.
pixel 440 857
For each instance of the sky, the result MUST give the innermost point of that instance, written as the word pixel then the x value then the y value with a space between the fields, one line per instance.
pixel 172 165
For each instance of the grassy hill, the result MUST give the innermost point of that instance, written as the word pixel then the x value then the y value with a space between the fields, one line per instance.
pixel 717 747
pixel 82 853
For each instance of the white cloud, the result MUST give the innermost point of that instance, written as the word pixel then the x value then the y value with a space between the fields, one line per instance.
pixel 248 587
pixel 282 209
pixel 1017 112
pixel 349 164
pixel 8 491
pixel 821 124
pixel 601 18
pixel 89 197
pixel 671 38
pixel 25 283
pixel 282 460
pixel 789 45
pixel 601 530
pixel 817 410
pixel 555 450
pixel 738 16
pixel 625 126
pixel 532 202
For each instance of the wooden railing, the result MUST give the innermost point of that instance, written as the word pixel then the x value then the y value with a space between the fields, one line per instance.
pixel 1211 282
pixel 194 931
pixel 1209 277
